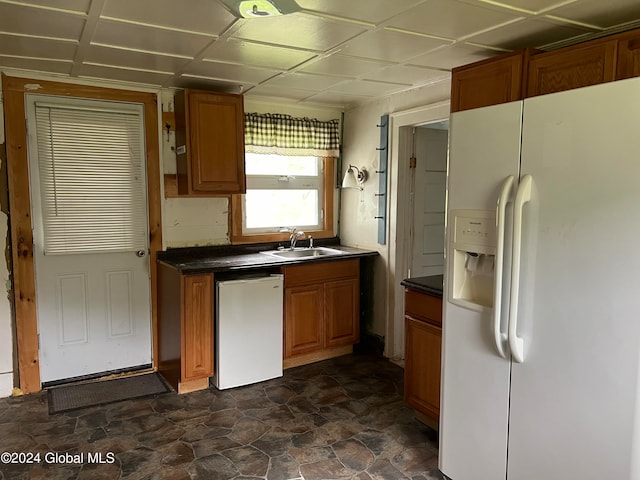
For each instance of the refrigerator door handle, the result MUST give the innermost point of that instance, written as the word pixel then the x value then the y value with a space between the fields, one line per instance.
pixel 499 337
pixel 516 344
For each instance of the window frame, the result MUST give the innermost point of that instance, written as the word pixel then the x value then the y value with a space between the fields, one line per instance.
pixel 327 230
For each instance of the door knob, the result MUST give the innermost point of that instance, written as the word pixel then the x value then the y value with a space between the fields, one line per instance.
pixel 140 253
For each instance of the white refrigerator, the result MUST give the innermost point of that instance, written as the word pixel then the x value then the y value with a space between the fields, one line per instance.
pixel 541 325
pixel 249 323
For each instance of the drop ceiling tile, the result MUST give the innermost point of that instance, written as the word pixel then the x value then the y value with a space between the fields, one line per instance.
pixel 373 11
pixel 390 46
pixel 25 20
pixel 80 6
pixel 531 6
pixel 36 64
pixel 407 75
pixel 139 37
pixel 305 81
pixel 127 75
pixel 205 16
pixel 249 53
pixel 37 47
pixel 453 56
pixel 280 93
pixel 343 65
pixel 339 98
pixel 298 30
pixel 230 72
pixel 528 33
pixel 451 19
pixel 146 61
pixel 603 14
pixel 366 87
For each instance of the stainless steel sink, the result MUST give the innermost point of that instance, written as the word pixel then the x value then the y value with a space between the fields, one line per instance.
pixel 304 252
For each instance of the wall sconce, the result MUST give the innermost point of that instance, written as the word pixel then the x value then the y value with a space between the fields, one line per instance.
pixel 354 177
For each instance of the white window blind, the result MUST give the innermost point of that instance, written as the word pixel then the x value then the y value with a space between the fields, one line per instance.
pixel 92 179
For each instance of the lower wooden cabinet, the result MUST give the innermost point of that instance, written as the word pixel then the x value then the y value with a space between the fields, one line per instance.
pixel 304 314
pixel 423 341
pixel 321 310
pixel 341 309
pixel 185 329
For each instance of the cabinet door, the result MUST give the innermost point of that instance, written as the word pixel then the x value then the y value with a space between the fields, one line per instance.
pixel 303 319
pixel 488 82
pixel 422 367
pixel 628 56
pixel 572 67
pixel 197 327
pixel 341 307
pixel 209 143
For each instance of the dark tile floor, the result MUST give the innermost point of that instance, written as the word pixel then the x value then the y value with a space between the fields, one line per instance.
pixel 339 419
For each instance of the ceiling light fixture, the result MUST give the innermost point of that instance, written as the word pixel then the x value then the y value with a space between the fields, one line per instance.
pixel 260 8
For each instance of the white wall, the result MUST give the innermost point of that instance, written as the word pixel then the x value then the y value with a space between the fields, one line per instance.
pixel 358 227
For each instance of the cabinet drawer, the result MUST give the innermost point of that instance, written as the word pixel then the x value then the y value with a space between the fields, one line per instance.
pixel 320 272
pixel 422 306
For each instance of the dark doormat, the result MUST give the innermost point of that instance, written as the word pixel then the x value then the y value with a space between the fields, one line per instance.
pixel 102 392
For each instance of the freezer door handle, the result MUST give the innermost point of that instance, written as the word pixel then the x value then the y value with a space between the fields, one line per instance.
pixel 516 343
pixel 500 337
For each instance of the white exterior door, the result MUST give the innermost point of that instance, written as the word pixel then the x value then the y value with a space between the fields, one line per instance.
pixel 89 214
pixel 429 199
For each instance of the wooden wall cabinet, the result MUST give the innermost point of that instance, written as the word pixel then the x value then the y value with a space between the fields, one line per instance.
pixel 322 306
pixel 581 65
pixel 529 72
pixel 628 64
pixel 209 143
pixel 492 81
pixel 423 340
pixel 185 329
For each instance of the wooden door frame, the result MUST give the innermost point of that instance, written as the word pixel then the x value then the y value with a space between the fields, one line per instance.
pixel 398 214
pixel 23 275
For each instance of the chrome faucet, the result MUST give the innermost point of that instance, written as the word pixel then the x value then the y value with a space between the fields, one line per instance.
pixel 295 235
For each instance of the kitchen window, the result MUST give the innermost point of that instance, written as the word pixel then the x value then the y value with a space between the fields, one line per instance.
pixel 289 167
pixel 284 191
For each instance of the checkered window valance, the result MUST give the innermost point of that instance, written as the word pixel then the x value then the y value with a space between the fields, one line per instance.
pixel 286 135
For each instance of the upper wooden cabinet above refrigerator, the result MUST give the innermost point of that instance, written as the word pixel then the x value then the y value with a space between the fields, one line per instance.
pixel 492 81
pixel 209 143
pixel 529 73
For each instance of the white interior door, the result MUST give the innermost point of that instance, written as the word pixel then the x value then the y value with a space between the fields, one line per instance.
pixel 575 400
pixel 89 214
pixel 431 145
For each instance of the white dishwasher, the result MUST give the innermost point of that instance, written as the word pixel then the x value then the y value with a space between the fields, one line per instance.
pixel 248 346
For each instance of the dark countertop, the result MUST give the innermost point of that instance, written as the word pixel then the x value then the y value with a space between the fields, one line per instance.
pixel 231 258
pixel 431 285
